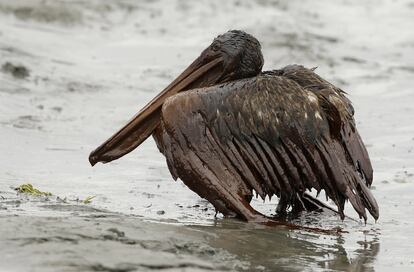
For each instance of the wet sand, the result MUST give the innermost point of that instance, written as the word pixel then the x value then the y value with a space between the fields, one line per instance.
pixel 91 66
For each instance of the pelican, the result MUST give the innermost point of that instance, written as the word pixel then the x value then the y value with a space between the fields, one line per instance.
pixel 227 130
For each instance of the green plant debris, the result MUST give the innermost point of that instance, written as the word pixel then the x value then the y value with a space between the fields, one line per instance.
pixel 88 199
pixel 29 189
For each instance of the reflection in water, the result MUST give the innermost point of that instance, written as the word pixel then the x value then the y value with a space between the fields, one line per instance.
pixel 363 260
pixel 268 249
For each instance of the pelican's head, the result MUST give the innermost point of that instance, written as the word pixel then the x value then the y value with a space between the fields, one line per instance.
pixel 239 52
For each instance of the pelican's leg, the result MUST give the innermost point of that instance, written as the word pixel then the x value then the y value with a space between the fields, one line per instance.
pixel 301 202
pixel 313 204
pixel 305 202
pixel 297 202
pixel 282 206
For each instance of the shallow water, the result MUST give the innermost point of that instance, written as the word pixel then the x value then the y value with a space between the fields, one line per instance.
pixel 93 65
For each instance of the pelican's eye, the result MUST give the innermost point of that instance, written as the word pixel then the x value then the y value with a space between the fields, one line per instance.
pixel 215 47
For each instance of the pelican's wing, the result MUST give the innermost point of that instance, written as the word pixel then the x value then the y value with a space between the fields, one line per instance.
pixel 283 138
pixel 273 134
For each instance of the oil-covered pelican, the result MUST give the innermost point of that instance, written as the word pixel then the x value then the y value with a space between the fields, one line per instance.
pixel 226 128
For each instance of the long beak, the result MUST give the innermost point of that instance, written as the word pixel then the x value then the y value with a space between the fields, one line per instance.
pixel 199 74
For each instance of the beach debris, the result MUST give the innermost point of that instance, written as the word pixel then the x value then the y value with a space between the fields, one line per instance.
pixel 17 71
pixel 88 199
pixel 29 189
pixel 116 231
